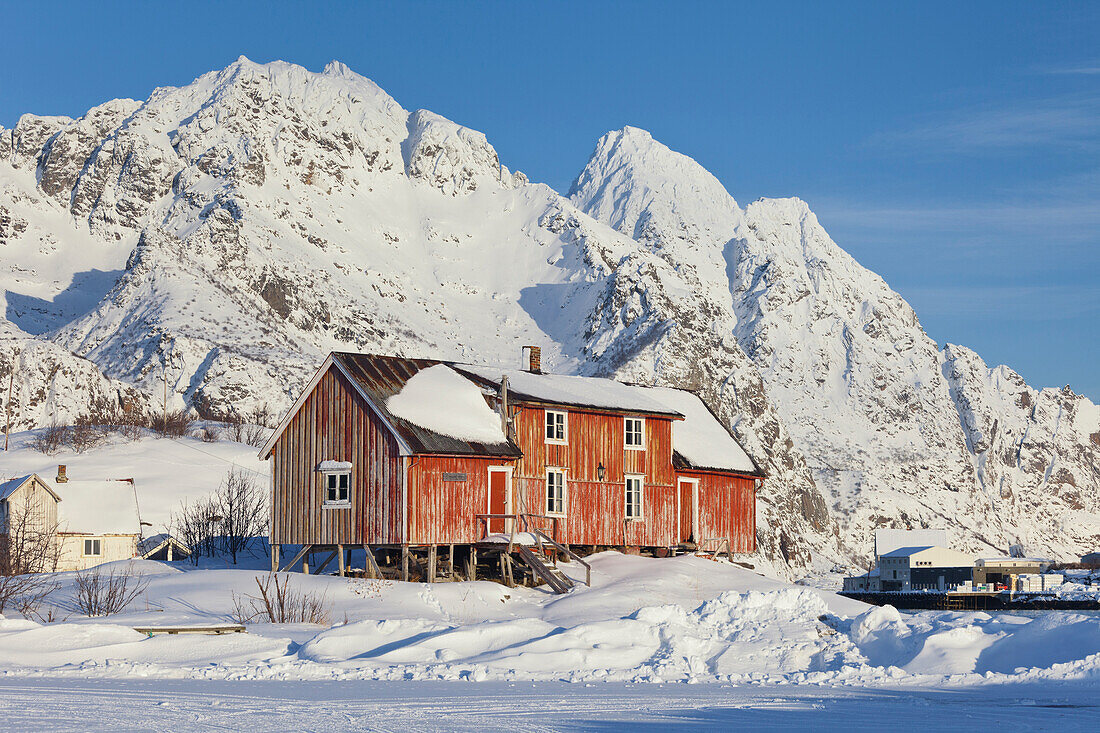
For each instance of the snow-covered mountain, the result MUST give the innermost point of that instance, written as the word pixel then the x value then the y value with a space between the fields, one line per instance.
pixel 230 232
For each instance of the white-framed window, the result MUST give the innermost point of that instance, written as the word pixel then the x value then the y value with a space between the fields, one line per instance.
pixel 338 488
pixel 93 548
pixel 555 492
pixel 634 433
pixel 557 427
pixel 634 496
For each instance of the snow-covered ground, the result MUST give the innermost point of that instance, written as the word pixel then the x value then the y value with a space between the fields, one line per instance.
pixel 644 620
pixel 156 704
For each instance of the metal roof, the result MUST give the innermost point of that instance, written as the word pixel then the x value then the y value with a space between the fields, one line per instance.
pixel 381 377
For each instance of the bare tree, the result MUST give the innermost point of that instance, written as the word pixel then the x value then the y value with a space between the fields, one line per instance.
pixel 101 594
pixel 195 526
pixel 229 521
pixel 29 551
pixel 242 505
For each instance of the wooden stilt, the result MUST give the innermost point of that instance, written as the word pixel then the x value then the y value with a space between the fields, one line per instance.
pixel 405 563
pixel 341 562
pixel 327 560
pixel 471 564
pixel 372 565
pixel 304 551
pixel 432 561
pixel 274 556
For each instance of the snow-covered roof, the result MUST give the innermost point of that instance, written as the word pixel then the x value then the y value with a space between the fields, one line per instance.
pixel 442 400
pixel 96 507
pixel 940 555
pixel 9 487
pixel 905 551
pixel 561 389
pixel 700 440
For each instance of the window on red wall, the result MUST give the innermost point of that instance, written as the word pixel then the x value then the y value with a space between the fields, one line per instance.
pixel 634 496
pixel 555 491
pixel 634 433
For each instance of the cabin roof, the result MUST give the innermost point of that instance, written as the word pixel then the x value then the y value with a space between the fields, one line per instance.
pixel 381 377
pixel 88 507
pixel 570 391
pixel 106 506
pixel 9 487
pixel 701 441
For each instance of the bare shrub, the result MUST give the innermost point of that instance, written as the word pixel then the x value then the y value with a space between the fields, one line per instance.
pixel 174 424
pixel 209 435
pixel 29 550
pixel 279 603
pixel 101 594
pixel 50 438
pixel 256 435
pixel 87 431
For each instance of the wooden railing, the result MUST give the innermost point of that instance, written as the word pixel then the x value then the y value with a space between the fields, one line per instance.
pixel 540 536
pixel 522 521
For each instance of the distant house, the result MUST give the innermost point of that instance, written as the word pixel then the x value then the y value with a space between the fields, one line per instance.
pixel 163 547
pixel 96 521
pixel 418 453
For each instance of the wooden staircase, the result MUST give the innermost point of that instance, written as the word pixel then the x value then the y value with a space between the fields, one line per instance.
pixel 553 577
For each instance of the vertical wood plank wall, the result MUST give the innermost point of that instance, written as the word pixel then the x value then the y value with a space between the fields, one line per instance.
pixel 596 511
pixel 727 508
pixel 441 512
pixel 335 424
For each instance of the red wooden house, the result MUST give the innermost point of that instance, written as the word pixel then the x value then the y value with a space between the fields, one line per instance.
pixel 403 456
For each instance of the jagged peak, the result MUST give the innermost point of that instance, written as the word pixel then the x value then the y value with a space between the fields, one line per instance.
pixel 631 177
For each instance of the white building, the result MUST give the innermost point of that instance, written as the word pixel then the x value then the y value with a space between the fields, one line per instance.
pixel 96 521
pixel 924 568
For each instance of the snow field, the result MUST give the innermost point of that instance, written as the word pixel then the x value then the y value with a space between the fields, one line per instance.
pixel 644 620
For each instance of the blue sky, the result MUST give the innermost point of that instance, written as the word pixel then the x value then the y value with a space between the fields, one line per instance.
pixel 952 148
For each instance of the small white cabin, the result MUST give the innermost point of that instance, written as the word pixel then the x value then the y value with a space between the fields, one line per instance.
pixel 96 521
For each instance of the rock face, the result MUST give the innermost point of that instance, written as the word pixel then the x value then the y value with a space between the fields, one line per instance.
pixel 895 432
pixel 229 233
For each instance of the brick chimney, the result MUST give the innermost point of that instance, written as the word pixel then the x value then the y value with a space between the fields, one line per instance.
pixel 534 359
pixel 61 477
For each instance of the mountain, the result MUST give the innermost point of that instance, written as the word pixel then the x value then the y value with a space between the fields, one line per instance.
pixel 894 430
pixel 224 235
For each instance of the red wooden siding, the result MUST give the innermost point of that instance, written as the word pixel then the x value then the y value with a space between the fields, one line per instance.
pixel 440 511
pixel 595 510
pixel 727 508
pixel 335 424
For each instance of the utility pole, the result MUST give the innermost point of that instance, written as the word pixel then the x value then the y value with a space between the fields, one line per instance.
pixel 7 405
pixel 164 420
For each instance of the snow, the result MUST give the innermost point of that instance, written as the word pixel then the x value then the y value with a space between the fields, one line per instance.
pixel 166 472
pixel 573 390
pixel 97 507
pixel 273 706
pixel 700 437
pixel 683 619
pixel 442 400
pixel 334 466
